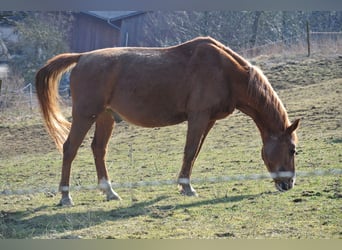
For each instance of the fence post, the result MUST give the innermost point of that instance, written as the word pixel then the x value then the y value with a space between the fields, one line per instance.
pixel 31 105
pixel 308 37
pixel 0 85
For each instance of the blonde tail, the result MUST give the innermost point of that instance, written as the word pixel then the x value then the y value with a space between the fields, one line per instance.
pixel 47 82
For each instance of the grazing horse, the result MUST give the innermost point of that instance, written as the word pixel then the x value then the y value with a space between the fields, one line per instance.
pixel 199 81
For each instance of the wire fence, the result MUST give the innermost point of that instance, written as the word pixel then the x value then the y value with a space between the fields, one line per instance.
pixel 316 42
pixel 130 185
pixel 24 98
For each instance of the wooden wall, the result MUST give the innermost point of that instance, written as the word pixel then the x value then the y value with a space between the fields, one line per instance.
pixel 91 33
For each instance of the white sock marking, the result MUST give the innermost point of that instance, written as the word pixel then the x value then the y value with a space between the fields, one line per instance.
pixel 105 184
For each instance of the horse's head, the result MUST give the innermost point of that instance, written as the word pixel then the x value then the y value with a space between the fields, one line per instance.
pixel 278 153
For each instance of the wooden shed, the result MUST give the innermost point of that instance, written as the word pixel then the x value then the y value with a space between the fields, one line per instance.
pixel 102 29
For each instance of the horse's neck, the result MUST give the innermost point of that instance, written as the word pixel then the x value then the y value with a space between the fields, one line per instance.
pixel 270 120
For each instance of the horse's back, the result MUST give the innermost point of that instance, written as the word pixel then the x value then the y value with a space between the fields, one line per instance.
pixel 151 86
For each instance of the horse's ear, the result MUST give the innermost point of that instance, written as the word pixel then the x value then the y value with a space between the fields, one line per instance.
pixel 293 126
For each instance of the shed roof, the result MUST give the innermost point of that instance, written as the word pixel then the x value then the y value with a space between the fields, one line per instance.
pixel 113 15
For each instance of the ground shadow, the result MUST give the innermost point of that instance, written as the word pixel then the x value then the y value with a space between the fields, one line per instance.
pixel 26 226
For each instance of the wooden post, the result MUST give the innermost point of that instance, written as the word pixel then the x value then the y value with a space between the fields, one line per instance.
pixel 308 37
pixel 30 88
pixel 0 85
pixel 126 39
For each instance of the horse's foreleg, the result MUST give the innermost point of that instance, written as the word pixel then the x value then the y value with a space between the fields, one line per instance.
pixel 198 128
pixel 79 129
pixel 103 131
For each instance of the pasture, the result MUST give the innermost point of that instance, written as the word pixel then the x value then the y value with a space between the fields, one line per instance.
pixel 310 89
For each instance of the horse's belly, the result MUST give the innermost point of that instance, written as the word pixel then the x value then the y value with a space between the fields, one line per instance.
pixel 146 114
pixel 147 120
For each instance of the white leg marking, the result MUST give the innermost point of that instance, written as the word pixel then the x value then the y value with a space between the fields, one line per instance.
pixel 105 185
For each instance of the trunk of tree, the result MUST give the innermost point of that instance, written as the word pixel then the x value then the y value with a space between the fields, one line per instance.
pixel 255 26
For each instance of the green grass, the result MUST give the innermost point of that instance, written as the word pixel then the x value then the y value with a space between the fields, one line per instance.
pixel 237 209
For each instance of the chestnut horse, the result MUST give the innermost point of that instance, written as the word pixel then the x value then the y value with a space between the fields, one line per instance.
pixel 199 81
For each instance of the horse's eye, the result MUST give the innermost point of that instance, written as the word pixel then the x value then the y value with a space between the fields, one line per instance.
pixel 293 152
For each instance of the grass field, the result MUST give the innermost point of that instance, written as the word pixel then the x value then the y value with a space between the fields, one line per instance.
pixel 310 88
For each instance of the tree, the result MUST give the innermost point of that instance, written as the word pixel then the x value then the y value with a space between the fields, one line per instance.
pixel 40 36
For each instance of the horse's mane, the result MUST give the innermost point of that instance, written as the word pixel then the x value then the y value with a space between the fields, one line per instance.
pixel 262 91
pixel 259 88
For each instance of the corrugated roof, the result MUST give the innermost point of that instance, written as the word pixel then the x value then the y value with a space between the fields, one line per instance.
pixel 113 15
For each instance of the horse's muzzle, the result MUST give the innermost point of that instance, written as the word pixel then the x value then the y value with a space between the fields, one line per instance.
pixel 284 184
pixel 284 180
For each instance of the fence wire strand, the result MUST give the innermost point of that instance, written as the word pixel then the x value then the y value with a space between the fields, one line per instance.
pixel 130 185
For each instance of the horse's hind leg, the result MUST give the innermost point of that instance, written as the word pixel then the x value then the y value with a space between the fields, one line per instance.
pixel 79 129
pixel 103 131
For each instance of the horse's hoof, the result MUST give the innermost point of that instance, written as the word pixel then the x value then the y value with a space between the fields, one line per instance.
pixel 66 201
pixel 113 196
pixel 187 190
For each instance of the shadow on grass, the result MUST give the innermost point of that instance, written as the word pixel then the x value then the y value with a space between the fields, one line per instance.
pixel 22 225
